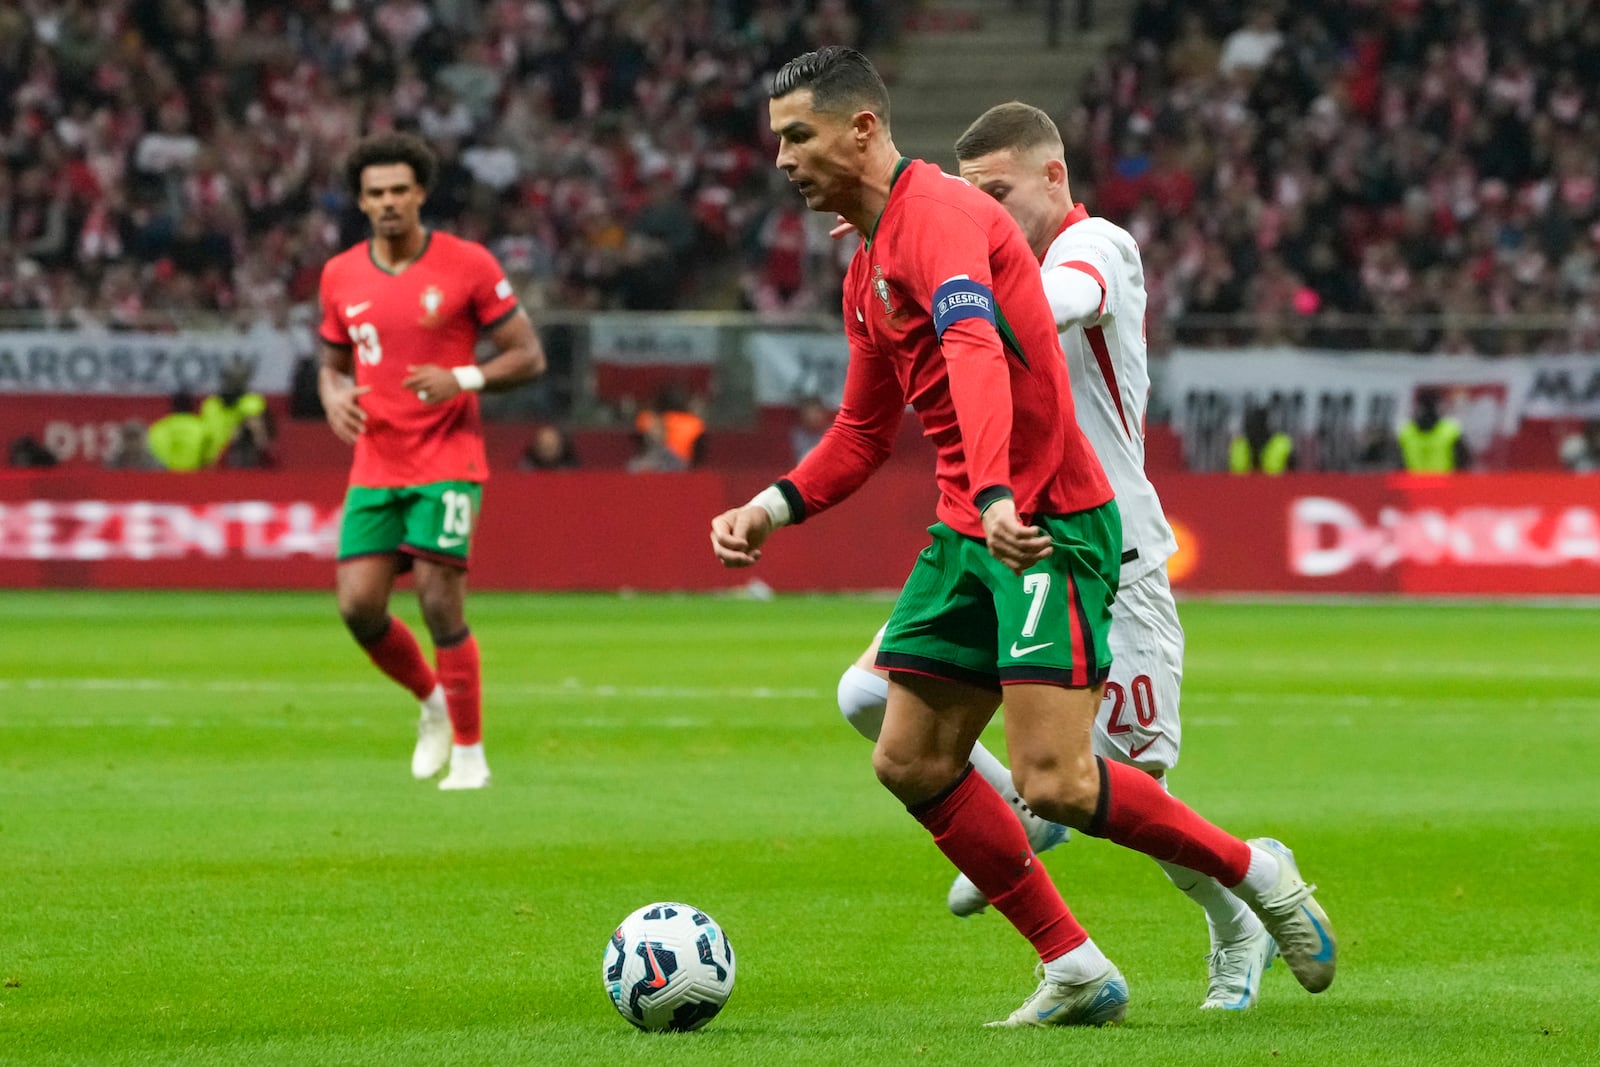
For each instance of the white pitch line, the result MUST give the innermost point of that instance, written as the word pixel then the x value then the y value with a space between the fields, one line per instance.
pixel 568 688
pixel 573 689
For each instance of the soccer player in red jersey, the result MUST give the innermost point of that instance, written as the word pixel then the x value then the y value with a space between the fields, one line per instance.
pixel 944 309
pixel 401 316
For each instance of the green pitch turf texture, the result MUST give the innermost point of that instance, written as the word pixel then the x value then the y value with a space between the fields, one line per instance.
pixel 212 851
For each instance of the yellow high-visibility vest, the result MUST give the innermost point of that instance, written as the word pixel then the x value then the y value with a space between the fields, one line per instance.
pixel 1429 451
pixel 1274 458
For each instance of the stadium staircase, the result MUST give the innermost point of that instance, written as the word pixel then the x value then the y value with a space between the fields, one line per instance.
pixel 955 58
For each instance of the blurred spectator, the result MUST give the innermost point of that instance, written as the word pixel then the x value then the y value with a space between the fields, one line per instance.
pixel 812 419
pixel 1251 46
pixel 28 452
pixel 670 434
pixel 550 450
pixel 177 157
pixel 1414 165
pixel 1258 448
pixel 178 440
pixel 1580 452
pixel 1430 442
pixel 238 428
pixel 230 429
pixel 130 451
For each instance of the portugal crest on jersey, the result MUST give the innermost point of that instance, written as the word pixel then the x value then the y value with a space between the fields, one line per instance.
pixel 432 301
pixel 880 286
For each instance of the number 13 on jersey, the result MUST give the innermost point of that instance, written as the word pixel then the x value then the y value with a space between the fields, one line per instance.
pixel 364 336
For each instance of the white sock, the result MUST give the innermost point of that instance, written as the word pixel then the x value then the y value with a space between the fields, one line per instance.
pixel 1262 875
pixel 472 752
pixel 434 706
pixel 1226 915
pixel 862 698
pixel 1078 966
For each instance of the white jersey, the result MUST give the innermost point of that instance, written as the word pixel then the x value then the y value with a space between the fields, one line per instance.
pixel 1107 361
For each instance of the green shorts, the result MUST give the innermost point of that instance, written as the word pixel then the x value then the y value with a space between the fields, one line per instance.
pixel 963 616
pixel 433 521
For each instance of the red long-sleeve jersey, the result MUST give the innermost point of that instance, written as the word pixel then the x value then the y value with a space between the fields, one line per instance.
pixel 944 310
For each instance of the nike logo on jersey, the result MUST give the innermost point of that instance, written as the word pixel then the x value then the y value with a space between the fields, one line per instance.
pixel 1016 652
pixel 352 310
pixel 1138 750
pixel 450 542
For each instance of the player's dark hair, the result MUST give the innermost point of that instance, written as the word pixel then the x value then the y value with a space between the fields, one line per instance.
pixel 382 149
pixel 1015 125
pixel 841 80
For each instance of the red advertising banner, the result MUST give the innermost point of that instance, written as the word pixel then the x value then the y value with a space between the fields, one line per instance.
pixel 1466 535
pixel 1533 534
pixel 556 531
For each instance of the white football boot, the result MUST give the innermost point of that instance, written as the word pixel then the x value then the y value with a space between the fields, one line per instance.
pixel 433 737
pixel 1234 970
pixel 966 899
pixel 468 768
pixel 1101 1001
pixel 1295 920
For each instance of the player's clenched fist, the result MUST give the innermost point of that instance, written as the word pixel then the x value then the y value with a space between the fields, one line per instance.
pixel 738 534
pixel 1017 546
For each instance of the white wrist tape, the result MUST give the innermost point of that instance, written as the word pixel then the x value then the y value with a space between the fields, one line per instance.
pixel 774 503
pixel 469 378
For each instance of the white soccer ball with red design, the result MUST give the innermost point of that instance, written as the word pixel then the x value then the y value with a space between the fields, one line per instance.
pixel 668 966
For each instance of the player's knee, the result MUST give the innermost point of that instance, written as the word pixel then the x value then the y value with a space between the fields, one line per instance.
pixel 1066 792
pixel 862 698
pixel 913 778
pixel 365 617
pixel 444 628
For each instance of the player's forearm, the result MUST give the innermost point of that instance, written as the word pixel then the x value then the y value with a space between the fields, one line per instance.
pixel 331 380
pixel 513 366
pixel 857 444
pixel 519 357
pixel 840 464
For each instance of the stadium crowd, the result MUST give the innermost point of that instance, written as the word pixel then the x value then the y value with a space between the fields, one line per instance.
pixel 160 158
pixel 1325 171
pixel 1324 168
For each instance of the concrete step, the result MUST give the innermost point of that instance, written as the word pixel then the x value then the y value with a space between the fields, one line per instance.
pixel 972 55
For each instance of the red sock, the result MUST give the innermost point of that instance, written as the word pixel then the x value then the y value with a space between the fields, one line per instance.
pixel 463 694
pixel 1137 813
pixel 396 653
pixel 980 834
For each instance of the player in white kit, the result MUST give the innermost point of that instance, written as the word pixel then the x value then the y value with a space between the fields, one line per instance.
pixel 1094 278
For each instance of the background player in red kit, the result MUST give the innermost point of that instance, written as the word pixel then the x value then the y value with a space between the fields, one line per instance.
pixel 401 317
pixel 944 309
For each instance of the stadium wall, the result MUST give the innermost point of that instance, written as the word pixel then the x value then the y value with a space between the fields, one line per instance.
pixel 1522 534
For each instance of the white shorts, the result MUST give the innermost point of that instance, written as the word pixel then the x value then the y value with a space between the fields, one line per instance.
pixel 1138 720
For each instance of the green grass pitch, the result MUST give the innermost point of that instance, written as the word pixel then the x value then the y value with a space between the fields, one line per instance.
pixel 212 852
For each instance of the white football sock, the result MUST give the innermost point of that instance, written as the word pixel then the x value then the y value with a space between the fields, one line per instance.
pixel 1227 917
pixel 1262 875
pixel 862 698
pixel 434 705
pixel 1078 966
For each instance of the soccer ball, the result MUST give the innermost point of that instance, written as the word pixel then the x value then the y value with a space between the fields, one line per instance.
pixel 668 967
